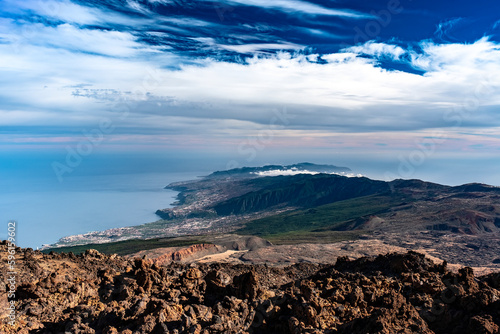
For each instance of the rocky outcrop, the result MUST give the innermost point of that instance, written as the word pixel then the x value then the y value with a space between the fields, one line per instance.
pixel 161 256
pixel 240 242
pixel 218 244
pixel 394 293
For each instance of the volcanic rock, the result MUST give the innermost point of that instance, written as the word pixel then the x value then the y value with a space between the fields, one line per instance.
pixel 393 293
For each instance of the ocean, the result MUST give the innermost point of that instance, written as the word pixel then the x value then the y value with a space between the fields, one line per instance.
pixel 84 204
pixel 102 192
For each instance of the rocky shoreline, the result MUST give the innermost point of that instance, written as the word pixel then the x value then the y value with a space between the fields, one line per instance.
pixel 392 293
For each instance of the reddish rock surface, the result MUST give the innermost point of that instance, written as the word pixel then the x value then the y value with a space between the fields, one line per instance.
pixel 161 256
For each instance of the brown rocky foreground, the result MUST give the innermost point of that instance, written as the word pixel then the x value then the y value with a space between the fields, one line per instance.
pixel 392 293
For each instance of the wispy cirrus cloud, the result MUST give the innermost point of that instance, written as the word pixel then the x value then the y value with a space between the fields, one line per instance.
pixel 496 24
pixel 444 29
pixel 247 48
pixel 59 10
pixel 72 38
pixel 299 6
pixel 66 11
pixel 252 48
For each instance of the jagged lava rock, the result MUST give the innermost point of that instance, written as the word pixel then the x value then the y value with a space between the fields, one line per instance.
pixel 393 293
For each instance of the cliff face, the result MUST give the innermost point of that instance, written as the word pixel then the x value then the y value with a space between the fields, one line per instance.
pixel 395 293
pixel 301 191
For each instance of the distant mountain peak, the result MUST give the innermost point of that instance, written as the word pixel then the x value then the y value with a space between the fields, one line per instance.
pixel 274 170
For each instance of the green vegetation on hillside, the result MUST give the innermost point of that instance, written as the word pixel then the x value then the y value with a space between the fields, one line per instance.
pixel 314 237
pixel 131 246
pixel 320 223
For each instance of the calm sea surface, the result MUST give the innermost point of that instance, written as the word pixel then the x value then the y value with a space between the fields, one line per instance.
pixel 45 211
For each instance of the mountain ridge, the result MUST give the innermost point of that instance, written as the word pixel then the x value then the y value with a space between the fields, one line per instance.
pixel 302 166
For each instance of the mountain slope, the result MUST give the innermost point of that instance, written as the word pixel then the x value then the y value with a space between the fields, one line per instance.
pixel 302 191
pixel 320 218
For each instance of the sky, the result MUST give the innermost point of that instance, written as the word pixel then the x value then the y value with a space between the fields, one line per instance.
pixel 406 81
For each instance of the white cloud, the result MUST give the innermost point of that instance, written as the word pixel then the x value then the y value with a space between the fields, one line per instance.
pixel 348 91
pixel 69 37
pixel 322 33
pixel 295 171
pixel 378 50
pixel 163 2
pixel 345 92
pixel 458 59
pixel 62 10
pixel 138 7
pixel 251 48
pixel 301 7
pixel 69 12
pixel 186 21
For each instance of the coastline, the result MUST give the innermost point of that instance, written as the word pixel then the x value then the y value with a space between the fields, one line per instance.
pixel 89 206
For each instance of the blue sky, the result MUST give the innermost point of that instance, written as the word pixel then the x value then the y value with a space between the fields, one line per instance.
pixel 394 78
